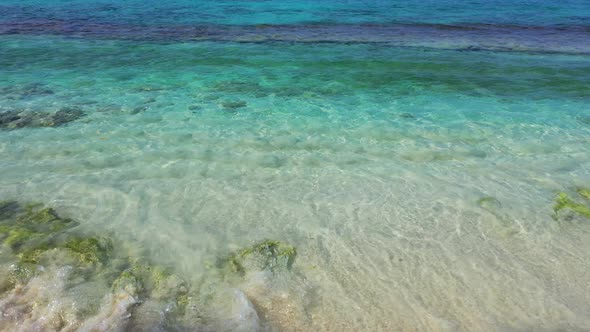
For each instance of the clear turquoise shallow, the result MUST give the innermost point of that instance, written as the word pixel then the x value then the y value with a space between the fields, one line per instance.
pixel 371 159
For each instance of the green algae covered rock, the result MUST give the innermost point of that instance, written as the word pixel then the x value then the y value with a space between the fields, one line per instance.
pixel 489 203
pixel 79 251
pixel 584 192
pixel 127 282
pixel 90 249
pixel 24 226
pixel 16 237
pixel 266 255
pixel 160 283
pixel 44 219
pixel 21 273
pixel 33 255
pixel 39 243
pixel 32 229
pixel 8 209
pixel 564 202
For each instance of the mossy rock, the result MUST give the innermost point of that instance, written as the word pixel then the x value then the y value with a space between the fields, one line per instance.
pixel 4 230
pixel 29 225
pixel 22 272
pixel 16 237
pixel 584 192
pixel 37 236
pixel 43 219
pixel 83 250
pixel 90 250
pixel 38 216
pixel 266 255
pixel 563 202
pixel 489 203
pixel 127 282
pixel 158 282
pixel 32 255
pixel 9 209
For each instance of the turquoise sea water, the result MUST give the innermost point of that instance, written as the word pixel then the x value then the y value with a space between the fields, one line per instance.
pixel 411 152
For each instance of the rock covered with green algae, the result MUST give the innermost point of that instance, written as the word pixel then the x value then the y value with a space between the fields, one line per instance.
pixel 52 263
pixel 266 255
pixel 264 277
pixel 157 282
pixel 564 202
pixel 41 242
pixel 9 209
pixel 32 229
pixel 489 203
pixel 164 297
pixel 91 250
pixel 38 237
pixel 29 224
pixel 584 192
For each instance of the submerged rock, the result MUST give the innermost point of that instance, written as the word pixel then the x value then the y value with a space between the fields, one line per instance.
pixel 503 223
pixel 8 117
pixel 26 91
pixel 39 304
pixel 237 87
pixel 42 244
pixel 90 249
pixel 408 116
pixel 242 315
pixel 29 226
pixel 35 89
pixel 158 282
pixel 271 161
pixel 51 266
pixel 564 202
pixel 584 119
pixel 127 282
pixel 232 105
pixel 9 209
pixel 139 109
pixel 65 115
pixel 266 255
pixel 584 193
pixel 489 203
pixel 13 119
pixel 149 89
pixel 117 306
pixel 32 229
pixel 149 316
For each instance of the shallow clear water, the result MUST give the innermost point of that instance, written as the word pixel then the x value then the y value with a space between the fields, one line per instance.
pixel 371 158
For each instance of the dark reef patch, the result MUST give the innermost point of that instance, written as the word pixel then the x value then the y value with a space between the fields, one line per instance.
pixel 13 119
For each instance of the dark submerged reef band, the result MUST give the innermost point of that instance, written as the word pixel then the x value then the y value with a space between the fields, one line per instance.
pixel 472 37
